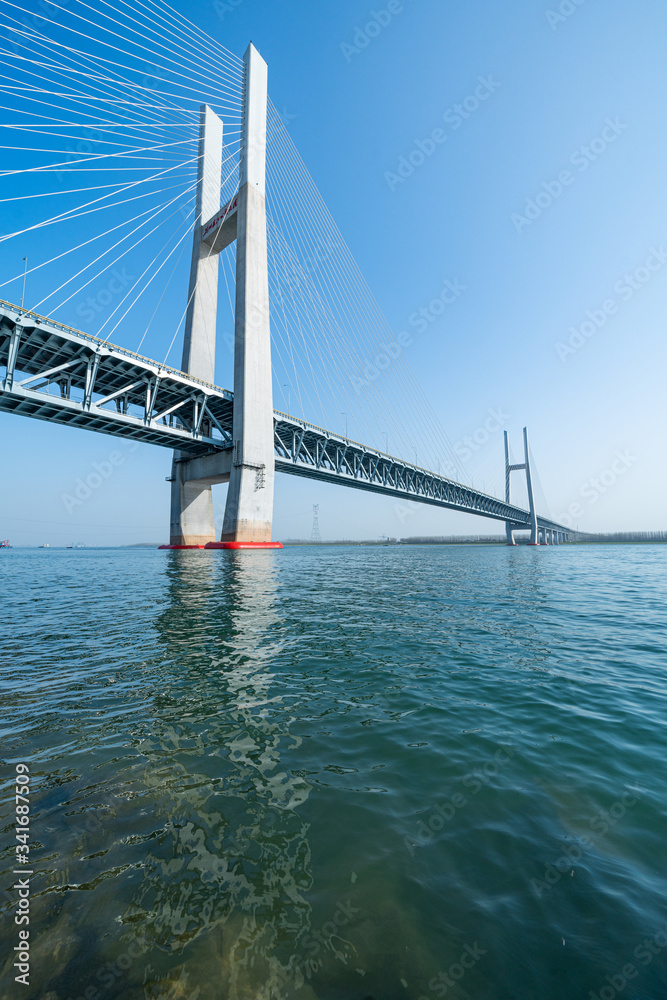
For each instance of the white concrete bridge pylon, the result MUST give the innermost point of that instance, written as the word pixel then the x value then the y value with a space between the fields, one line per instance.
pixel 192 521
pixel 524 466
pixel 249 509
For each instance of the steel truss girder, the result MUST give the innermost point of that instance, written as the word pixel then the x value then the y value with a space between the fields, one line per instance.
pixel 35 350
pixel 312 452
pixel 36 346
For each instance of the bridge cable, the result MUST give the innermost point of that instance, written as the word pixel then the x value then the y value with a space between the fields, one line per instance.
pixel 336 240
pixel 116 259
pixel 339 240
pixel 100 41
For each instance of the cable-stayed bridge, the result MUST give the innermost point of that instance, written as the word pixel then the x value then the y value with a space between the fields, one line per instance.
pixel 113 391
pixel 280 280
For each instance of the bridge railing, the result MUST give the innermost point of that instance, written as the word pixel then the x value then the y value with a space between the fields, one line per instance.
pixel 308 450
pixel 301 448
pixel 98 342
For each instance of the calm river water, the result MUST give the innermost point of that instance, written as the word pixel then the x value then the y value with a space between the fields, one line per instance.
pixel 350 773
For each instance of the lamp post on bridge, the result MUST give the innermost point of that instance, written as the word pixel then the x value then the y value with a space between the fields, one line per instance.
pixel 25 275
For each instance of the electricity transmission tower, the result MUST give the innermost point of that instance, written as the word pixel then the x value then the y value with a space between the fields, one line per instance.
pixel 315 533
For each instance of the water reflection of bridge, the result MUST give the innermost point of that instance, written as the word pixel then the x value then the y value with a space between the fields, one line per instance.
pixel 224 878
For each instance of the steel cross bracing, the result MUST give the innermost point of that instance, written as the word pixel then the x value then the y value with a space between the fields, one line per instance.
pixel 102 387
pixel 302 449
pixel 56 373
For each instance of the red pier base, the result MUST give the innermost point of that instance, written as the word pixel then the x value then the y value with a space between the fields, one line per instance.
pixel 181 546
pixel 226 545
pixel 244 545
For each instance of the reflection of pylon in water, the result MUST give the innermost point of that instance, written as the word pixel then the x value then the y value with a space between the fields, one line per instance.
pixel 315 533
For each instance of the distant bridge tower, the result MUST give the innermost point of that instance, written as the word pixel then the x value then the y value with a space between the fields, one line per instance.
pixel 509 469
pixel 315 533
pixel 249 465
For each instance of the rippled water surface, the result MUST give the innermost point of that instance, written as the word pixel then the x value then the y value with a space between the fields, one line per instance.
pixel 339 773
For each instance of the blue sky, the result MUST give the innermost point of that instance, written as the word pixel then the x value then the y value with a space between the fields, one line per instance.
pixel 544 202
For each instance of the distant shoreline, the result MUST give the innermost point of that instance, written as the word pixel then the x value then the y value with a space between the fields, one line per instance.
pixel 617 538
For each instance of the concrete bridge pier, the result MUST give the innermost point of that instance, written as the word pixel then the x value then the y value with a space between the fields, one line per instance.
pixel 249 510
pixel 192 498
pixel 250 467
pixel 192 521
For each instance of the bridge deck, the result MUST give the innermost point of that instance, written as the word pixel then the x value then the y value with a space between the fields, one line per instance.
pixel 59 374
pixel 56 373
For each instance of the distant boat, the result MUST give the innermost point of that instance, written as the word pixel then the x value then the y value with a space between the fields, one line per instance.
pixel 44 546
pixel 4 543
